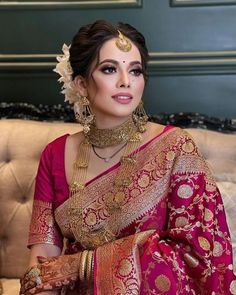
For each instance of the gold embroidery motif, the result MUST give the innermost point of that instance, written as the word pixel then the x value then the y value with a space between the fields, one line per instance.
pixel 170 156
pixel 185 191
pixel 115 201
pixel 218 249
pixel 134 192
pixel 188 147
pixel 91 219
pixel 181 221
pixel 144 181
pixel 208 215
pixel 233 287
pixel 210 187
pixel 125 267
pixel 163 283
pixel 204 243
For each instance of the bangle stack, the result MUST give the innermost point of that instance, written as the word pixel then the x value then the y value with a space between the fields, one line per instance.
pixel 86 266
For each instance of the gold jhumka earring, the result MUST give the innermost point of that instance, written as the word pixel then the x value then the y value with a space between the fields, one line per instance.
pixel 140 117
pixel 83 113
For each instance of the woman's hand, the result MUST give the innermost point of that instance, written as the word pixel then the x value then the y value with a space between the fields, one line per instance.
pixel 51 274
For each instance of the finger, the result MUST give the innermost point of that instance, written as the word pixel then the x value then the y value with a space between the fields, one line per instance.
pixel 28 285
pixel 42 259
pixel 30 292
pixel 44 289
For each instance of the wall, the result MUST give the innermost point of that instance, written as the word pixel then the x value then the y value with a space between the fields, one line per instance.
pixel 192 45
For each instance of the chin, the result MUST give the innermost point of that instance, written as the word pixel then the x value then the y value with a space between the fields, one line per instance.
pixel 124 114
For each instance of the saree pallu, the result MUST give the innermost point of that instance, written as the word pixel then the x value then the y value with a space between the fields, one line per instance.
pixel 171 231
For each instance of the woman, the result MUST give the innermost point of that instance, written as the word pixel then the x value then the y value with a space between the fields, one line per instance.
pixel 135 200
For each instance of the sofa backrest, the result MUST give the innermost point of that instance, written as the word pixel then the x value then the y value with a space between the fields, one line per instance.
pixel 21 143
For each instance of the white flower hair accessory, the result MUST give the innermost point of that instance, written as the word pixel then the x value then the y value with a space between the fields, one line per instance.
pixel 63 68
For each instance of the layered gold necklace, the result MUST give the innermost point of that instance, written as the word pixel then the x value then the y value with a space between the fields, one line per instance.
pixel 128 134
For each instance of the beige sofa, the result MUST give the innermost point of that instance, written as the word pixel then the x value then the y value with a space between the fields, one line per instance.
pixel 21 144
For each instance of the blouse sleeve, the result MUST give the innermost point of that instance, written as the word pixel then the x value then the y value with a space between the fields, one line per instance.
pixel 43 227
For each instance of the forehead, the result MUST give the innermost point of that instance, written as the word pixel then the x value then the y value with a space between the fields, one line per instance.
pixel 109 50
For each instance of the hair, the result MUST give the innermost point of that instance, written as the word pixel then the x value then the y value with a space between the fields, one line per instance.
pixel 87 43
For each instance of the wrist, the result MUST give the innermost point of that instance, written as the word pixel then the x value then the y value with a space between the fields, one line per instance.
pixel 86 266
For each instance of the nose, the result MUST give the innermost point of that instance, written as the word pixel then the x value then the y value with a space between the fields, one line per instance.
pixel 124 80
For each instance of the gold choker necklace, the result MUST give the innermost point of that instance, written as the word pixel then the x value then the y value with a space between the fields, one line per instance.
pixel 108 137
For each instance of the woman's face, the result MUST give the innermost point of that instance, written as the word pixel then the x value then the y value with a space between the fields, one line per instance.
pixel 116 84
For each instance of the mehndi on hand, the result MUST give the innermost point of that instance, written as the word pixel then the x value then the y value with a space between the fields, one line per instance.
pixel 51 274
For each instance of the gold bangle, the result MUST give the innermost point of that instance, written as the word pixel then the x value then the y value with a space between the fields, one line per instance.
pixel 89 266
pixel 92 268
pixel 83 265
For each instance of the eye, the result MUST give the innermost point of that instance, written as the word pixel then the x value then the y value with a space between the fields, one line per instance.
pixel 136 72
pixel 108 69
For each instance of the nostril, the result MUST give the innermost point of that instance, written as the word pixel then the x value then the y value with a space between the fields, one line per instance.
pixel 125 85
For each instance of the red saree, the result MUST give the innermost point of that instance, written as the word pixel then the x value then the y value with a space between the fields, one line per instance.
pixel 171 231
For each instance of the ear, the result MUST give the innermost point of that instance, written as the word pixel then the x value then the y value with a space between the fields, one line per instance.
pixel 81 85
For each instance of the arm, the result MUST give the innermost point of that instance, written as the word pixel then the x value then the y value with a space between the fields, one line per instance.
pixel 45 250
pixel 44 237
pixel 50 273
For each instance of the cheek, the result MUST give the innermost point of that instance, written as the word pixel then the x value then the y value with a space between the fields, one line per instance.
pixel 104 85
pixel 99 91
pixel 140 84
pixel 95 88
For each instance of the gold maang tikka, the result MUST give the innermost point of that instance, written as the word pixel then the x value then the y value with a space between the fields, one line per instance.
pixel 123 43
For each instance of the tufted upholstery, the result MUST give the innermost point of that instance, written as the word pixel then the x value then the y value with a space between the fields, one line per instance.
pixel 21 145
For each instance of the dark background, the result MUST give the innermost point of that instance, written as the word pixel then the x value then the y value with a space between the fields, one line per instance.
pixel 192 47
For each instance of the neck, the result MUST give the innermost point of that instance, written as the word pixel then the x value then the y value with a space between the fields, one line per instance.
pixel 110 123
pixel 106 137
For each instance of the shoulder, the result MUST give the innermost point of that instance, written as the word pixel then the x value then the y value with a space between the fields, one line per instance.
pixel 54 152
pixel 176 133
pixel 174 138
pixel 73 141
pixel 153 130
pixel 185 145
pixel 66 141
pixel 54 146
pixel 58 141
pixel 62 141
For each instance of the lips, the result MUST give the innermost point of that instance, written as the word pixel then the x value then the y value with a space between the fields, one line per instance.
pixel 122 97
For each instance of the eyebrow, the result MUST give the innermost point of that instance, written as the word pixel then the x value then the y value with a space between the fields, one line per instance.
pixel 116 62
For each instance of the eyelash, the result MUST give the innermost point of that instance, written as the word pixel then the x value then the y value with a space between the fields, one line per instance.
pixel 108 69
pixel 137 71
pixel 111 69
